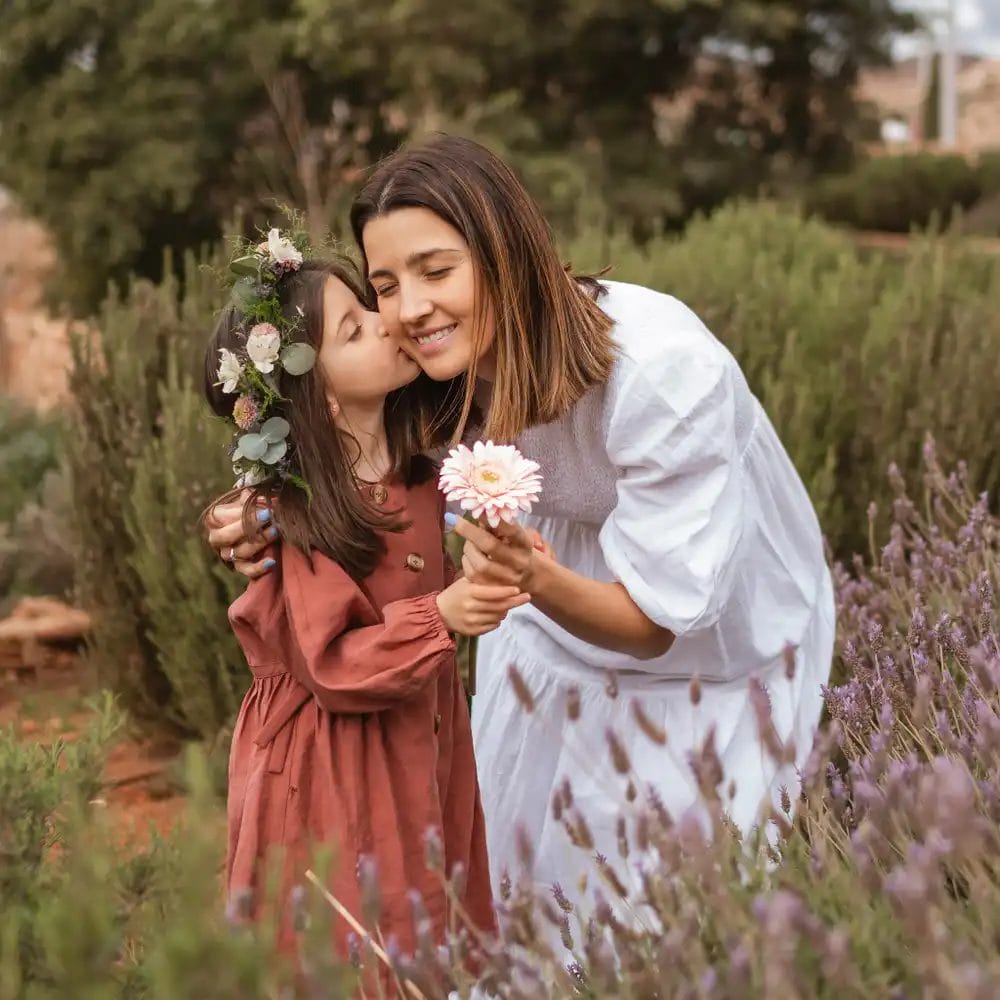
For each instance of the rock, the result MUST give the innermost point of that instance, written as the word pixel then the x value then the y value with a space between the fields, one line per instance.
pixel 34 624
pixel 44 619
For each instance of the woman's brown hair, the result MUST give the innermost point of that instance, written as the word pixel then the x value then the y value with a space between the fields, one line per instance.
pixel 553 341
pixel 335 518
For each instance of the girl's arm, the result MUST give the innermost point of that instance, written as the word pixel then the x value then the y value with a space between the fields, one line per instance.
pixel 348 659
pixel 353 662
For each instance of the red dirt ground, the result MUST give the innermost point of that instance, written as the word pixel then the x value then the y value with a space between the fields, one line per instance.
pixel 138 790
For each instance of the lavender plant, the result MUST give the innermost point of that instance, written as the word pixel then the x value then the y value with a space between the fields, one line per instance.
pixel 880 879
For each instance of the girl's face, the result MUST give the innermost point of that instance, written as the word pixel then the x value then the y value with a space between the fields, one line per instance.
pixel 425 278
pixel 359 360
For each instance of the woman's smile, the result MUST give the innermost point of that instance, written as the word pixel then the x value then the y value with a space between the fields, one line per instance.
pixel 433 340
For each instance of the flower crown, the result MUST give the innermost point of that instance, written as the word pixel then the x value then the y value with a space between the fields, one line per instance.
pixel 260 448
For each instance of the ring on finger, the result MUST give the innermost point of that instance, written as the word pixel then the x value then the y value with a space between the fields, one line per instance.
pixel 231 557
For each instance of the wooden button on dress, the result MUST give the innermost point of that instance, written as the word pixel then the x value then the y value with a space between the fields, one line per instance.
pixel 415 561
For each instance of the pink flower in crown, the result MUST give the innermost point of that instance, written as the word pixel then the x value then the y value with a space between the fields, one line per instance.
pixel 490 480
pixel 245 412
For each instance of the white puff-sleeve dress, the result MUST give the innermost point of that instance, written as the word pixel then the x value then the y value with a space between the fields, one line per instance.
pixel 671 480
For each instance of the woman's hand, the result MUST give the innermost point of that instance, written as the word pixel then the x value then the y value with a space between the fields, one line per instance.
pixel 600 613
pixel 540 545
pixel 502 558
pixel 229 539
pixel 475 608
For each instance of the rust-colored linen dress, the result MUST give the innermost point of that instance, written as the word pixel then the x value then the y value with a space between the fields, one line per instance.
pixel 355 734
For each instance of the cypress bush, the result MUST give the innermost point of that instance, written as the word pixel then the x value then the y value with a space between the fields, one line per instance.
pixel 144 460
pixel 854 356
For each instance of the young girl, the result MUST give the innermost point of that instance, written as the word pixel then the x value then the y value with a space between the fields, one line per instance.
pixel 355 733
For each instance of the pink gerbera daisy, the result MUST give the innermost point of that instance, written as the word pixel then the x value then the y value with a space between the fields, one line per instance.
pixel 490 480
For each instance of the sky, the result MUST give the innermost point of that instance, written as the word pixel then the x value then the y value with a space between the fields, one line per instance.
pixel 978 26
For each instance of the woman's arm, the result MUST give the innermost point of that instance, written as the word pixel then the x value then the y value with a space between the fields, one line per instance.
pixel 600 613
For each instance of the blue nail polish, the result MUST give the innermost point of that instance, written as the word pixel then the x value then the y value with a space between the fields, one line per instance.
pixel 269 564
pixel 451 519
pixel 271 533
pixel 263 516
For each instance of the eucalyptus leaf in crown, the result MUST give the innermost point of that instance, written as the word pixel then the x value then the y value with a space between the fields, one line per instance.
pixel 271 345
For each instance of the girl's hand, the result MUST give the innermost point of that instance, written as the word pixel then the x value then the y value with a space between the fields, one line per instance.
pixel 476 608
pixel 230 541
pixel 503 558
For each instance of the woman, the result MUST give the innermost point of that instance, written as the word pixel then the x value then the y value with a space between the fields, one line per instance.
pixel 685 544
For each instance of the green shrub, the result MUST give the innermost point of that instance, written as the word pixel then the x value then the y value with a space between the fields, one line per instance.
pixel 899 193
pixel 36 547
pixel 29 444
pixel 988 171
pixel 854 356
pixel 983 219
pixel 145 458
pixel 34 542
pixel 86 915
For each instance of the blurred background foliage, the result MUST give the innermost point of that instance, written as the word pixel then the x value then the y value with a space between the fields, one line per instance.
pixel 135 126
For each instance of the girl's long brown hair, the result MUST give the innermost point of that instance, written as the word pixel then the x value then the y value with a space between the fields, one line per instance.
pixel 337 520
pixel 553 341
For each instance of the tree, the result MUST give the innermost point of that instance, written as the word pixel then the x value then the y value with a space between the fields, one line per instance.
pixel 133 126
pixel 119 123
pixel 780 102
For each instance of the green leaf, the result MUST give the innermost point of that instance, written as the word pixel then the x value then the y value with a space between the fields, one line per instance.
pixel 297 480
pixel 274 430
pixel 244 294
pixel 298 358
pixel 275 452
pixel 252 446
pixel 246 267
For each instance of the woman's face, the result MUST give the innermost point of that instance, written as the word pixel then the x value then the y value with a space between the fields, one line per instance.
pixel 359 360
pixel 423 273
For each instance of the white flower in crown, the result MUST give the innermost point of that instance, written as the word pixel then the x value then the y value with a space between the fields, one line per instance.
pixel 490 480
pixel 263 346
pixel 252 477
pixel 230 370
pixel 283 251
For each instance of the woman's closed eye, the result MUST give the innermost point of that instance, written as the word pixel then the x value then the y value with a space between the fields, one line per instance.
pixel 355 333
pixel 381 291
pixel 438 273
